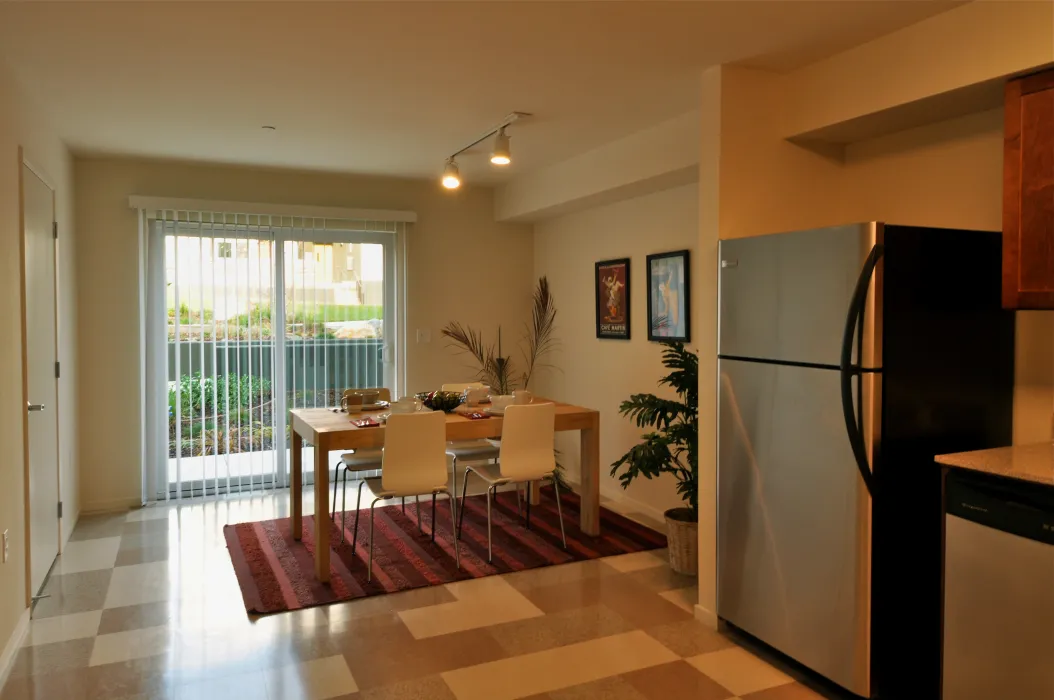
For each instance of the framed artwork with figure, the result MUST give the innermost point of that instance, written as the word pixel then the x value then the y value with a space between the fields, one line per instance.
pixel 669 297
pixel 612 299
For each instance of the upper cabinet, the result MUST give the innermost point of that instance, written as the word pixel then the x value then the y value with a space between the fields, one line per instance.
pixel 1028 193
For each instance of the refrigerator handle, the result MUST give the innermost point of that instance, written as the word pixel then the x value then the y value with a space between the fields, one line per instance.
pixel 849 370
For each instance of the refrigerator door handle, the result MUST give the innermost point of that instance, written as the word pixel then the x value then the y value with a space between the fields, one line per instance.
pixel 849 370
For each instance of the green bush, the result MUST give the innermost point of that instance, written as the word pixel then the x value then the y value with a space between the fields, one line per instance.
pixel 211 395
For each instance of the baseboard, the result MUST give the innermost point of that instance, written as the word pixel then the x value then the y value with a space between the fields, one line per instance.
pixel 705 616
pixel 115 506
pixel 7 658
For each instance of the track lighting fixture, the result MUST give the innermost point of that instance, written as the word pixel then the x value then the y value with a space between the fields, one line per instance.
pixel 500 154
pixel 451 175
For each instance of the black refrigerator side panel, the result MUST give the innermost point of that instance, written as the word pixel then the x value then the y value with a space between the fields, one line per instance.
pixel 947 386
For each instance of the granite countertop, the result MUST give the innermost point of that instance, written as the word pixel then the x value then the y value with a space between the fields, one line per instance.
pixel 1033 462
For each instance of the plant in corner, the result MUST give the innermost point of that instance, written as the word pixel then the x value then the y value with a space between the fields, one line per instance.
pixel 671 447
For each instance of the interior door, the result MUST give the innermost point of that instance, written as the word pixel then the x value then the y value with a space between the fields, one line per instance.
pixel 41 349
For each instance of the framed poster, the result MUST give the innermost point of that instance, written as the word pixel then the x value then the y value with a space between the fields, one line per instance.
pixel 612 297
pixel 669 297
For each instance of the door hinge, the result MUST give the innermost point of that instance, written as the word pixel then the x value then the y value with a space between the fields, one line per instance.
pixel 60 509
pixel 58 371
pixel 55 229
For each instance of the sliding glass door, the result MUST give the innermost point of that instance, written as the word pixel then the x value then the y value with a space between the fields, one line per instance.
pixel 260 315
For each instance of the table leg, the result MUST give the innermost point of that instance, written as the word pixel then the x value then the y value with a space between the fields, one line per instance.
pixel 590 487
pixel 322 522
pixel 296 496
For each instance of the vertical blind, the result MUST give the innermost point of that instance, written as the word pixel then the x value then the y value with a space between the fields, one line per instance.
pixel 249 316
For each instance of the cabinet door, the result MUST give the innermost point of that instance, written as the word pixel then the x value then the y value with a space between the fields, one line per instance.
pixel 1028 193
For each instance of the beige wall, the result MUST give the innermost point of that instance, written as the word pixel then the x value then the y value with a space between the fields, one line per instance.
pixel 602 373
pixel 455 239
pixel 21 125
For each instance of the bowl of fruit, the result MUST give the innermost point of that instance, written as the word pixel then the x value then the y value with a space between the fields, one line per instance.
pixel 445 401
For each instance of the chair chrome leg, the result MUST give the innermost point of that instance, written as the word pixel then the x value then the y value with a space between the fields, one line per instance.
pixel 527 497
pixel 461 510
pixel 343 504
pixel 417 500
pixel 358 505
pixel 559 511
pixel 453 496
pixel 490 554
pixel 455 533
pixel 433 516
pixel 519 506
pixel 336 473
pixel 369 571
pixel 404 505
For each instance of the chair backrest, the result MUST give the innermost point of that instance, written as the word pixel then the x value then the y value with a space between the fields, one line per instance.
pixel 460 388
pixel 527 434
pixel 383 393
pixel 414 459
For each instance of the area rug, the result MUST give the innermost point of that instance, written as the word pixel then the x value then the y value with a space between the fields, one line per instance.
pixel 276 573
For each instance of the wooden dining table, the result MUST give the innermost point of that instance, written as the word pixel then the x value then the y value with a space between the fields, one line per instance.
pixel 328 431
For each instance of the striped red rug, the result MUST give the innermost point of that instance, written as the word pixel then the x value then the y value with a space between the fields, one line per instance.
pixel 276 573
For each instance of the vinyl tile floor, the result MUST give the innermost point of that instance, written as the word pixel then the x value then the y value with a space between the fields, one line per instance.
pixel 144 605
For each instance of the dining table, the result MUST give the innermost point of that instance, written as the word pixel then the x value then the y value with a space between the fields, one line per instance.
pixel 329 429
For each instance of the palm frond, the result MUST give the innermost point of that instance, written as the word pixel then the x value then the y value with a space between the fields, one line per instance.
pixel 539 333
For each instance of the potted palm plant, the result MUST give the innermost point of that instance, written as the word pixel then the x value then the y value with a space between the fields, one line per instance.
pixel 670 447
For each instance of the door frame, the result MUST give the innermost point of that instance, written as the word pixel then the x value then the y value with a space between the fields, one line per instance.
pixel 42 174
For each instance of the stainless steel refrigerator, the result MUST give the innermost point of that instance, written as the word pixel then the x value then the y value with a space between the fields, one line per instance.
pixel 848 357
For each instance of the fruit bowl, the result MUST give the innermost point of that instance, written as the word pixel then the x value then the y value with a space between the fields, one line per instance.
pixel 445 401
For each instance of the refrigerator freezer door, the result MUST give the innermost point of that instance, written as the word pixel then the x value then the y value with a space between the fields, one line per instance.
pixel 785 297
pixel 793 519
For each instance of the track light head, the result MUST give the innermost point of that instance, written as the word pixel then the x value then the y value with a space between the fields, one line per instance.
pixel 501 155
pixel 451 175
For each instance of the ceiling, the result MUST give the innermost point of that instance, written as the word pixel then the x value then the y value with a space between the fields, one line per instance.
pixel 393 87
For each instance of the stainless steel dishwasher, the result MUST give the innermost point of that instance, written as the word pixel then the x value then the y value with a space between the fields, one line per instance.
pixel 998 590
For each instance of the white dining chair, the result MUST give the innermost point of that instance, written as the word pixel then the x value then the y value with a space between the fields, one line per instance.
pixel 526 455
pixel 414 463
pixel 469 451
pixel 358 461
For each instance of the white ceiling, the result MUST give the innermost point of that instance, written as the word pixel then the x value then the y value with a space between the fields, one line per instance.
pixel 394 87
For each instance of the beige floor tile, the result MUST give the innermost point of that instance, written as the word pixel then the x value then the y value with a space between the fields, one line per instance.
pixel 133 644
pixel 135 617
pixel 553 669
pixel 689 638
pixel 150 512
pixel 389 655
pixel 626 563
pixel 430 687
pixel 87 555
pixel 320 679
pixel 480 603
pixel 675 680
pixel 662 578
pixel 739 670
pixel 73 593
pixel 141 583
pixel 51 658
pixel 613 688
pixel 90 527
pixel 388 604
pixel 558 629
pixel 684 598
pixel 63 628
pixel 633 601
pixel 242 686
pixel 794 691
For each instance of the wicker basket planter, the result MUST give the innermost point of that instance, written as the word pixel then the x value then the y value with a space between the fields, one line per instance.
pixel 682 533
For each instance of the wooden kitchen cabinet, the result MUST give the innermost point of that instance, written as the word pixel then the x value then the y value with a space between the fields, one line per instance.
pixel 1028 193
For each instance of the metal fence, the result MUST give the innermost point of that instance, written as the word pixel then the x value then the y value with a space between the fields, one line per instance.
pixel 310 365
